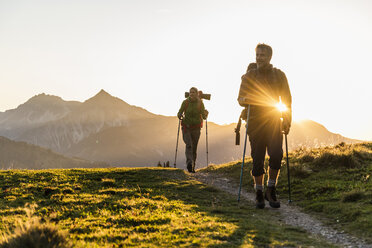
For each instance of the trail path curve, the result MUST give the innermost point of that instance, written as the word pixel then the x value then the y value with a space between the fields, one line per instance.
pixel 289 214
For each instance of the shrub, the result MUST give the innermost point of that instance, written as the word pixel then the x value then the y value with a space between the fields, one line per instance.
pixel 368 145
pixel 306 158
pixel 35 235
pixel 346 160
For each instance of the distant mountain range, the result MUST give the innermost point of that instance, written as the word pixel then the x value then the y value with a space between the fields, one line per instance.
pixel 20 155
pixel 105 128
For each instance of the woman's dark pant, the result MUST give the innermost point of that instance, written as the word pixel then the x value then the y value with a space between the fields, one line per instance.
pixel 191 138
pixel 270 139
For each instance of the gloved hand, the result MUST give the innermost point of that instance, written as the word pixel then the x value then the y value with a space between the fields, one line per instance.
pixel 206 113
pixel 243 114
pixel 286 126
pixel 180 116
pixel 243 101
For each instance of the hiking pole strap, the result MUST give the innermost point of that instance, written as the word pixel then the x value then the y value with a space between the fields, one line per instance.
pixel 289 178
pixel 245 145
pixel 178 135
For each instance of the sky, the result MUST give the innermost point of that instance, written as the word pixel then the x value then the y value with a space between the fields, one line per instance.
pixel 149 52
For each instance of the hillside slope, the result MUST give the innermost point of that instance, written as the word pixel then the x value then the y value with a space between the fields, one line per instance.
pixel 20 155
pixel 149 207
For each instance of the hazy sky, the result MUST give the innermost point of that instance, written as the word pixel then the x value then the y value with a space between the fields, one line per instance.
pixel 149 52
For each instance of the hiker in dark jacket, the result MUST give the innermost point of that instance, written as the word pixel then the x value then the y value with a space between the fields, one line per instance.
pixel 192 113
pixel 262 87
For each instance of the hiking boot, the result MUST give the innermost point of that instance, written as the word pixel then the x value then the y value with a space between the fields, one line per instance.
pixel 260 201
pixel 193 167
pixel 270 195
pixel 189 167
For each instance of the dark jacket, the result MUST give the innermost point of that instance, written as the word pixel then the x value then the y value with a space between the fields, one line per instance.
pixel 261 88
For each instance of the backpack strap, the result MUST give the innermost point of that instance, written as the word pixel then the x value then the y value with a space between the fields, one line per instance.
pixel 187 105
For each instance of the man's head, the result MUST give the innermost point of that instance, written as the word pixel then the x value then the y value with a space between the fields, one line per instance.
pixel 193 93
pixel 263 55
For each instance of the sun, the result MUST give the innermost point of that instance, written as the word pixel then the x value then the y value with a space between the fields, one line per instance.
pixel 281 106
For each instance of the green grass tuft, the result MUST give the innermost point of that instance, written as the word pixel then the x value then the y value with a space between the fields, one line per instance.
pixel 34 233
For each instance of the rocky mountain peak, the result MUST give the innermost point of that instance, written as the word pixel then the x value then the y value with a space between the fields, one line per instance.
pixel 104 99
pixel 103 93
pixel 44 99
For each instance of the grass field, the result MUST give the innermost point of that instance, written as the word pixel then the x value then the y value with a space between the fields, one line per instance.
pixel 146 207
pixel 334 183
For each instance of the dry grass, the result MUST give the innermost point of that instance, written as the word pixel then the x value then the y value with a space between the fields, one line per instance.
pixel 32 233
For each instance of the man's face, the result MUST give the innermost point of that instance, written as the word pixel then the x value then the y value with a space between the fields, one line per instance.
pixel 262 57
pixel 193 94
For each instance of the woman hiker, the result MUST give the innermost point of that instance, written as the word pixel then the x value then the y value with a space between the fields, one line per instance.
pixel 192 113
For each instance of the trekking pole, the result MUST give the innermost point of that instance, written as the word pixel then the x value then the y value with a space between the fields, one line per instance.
pixel 178 134
pixel 206 137
pixel 245 145
pixel 281 107
pixel 289 178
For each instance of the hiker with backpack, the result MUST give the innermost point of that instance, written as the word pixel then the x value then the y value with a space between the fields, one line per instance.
pixel 191 114
pixel 261 89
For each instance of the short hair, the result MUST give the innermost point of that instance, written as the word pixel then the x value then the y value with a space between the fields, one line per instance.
pixel 265 47
pixel 194 88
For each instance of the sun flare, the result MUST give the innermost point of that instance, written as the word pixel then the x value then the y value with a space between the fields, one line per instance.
pixel 281 106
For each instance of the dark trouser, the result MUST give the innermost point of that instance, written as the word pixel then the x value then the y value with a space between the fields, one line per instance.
pixel 270 139
pixel 191 139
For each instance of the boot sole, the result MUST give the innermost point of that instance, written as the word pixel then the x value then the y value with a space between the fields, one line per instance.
pixel 272 204
pixel 260 205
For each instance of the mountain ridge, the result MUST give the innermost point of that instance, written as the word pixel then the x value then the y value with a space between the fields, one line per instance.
pixel 21 155
pixel 106 128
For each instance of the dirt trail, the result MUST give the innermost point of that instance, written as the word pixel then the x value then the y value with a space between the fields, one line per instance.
pixel 289 214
